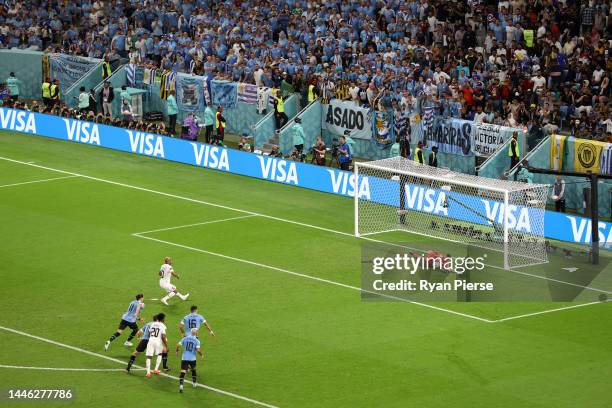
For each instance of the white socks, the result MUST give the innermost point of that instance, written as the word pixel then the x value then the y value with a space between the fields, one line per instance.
pixel 148 365
pixel 158 362
pixel 171 294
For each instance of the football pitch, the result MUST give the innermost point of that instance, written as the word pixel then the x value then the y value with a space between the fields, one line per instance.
pixel 276 272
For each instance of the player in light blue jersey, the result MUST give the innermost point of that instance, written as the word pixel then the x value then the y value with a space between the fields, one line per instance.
pixel 193 321
pixel 191 346
pixel 128 319
pixel 143 334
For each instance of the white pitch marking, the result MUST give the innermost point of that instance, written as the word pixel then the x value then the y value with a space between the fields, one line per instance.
pixel 505 319
pixel 37 181
pixel 198 223
pixel 63 369
pixel 193 200
pixel 91 353
pixel 302 275
pixel 154 299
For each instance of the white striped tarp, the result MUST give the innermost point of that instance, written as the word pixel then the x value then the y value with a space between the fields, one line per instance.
pixel 130 72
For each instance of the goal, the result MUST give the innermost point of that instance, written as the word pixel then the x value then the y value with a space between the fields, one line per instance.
pixel 497 215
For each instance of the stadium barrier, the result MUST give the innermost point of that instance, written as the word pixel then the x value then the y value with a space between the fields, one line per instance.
pixel 557 225
pixel 311 122
pixel 27 66
pixel 499 162
pixel 264 129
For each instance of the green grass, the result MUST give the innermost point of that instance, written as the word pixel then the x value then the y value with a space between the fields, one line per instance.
pixel 71 265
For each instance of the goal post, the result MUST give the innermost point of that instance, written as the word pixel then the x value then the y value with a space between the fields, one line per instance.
pixel 497 215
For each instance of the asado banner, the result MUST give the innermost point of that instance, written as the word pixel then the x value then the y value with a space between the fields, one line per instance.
pixel 338 116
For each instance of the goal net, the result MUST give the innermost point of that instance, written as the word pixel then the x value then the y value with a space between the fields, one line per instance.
pixel 497 215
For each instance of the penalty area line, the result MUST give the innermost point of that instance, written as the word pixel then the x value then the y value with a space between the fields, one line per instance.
pixel 64 368
pixel 116 360
pixel 505 319
pixel 196 224
pixel 37 181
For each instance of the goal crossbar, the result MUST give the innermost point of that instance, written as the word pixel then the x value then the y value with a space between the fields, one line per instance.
pixel 443 175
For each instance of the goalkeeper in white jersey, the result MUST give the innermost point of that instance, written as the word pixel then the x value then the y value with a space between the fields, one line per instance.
pixel 165 274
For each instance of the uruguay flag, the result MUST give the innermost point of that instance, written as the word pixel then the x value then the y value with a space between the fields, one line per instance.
pixel 605 160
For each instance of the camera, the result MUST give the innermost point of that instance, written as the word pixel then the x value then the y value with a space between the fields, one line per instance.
pixel 335 147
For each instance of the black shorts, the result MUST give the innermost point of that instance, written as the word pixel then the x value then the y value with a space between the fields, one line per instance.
pixel 186 365
pixel 142 345
pixel 123 324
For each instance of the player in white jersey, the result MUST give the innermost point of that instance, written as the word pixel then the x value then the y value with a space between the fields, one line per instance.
pixel 158 343
pixel 165 273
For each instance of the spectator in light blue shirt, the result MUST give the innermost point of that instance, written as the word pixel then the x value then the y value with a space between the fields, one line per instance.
pixel 172 108
pixel 209 123
pixel 12 84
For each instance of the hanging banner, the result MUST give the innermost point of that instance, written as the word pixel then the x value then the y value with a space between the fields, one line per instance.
pixel 69 68
pixel 450 135
pixel 189 94
pixel 488 138
pixel 224 93
pixel 605 159
pixel 557 149
pixel 206 88
pixel 586 155
pixel 247 93
pixel 382 129
pixel 46 68
pixel 339 116
pixel 263 98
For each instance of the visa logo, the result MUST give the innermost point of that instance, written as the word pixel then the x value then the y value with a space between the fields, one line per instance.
pixel 83 132
pixel 145 143
pixel 425 199
pixel 210 156
pixel 581 230
pixel 18 120
pixel 518 219
pixel 278 170
pixel 344 183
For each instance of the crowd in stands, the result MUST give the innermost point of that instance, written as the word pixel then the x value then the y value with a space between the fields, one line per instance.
pixel 524 63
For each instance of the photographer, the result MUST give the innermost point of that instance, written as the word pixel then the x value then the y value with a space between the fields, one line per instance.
pixel 345 156
pixel 318 152
pixel 275 152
